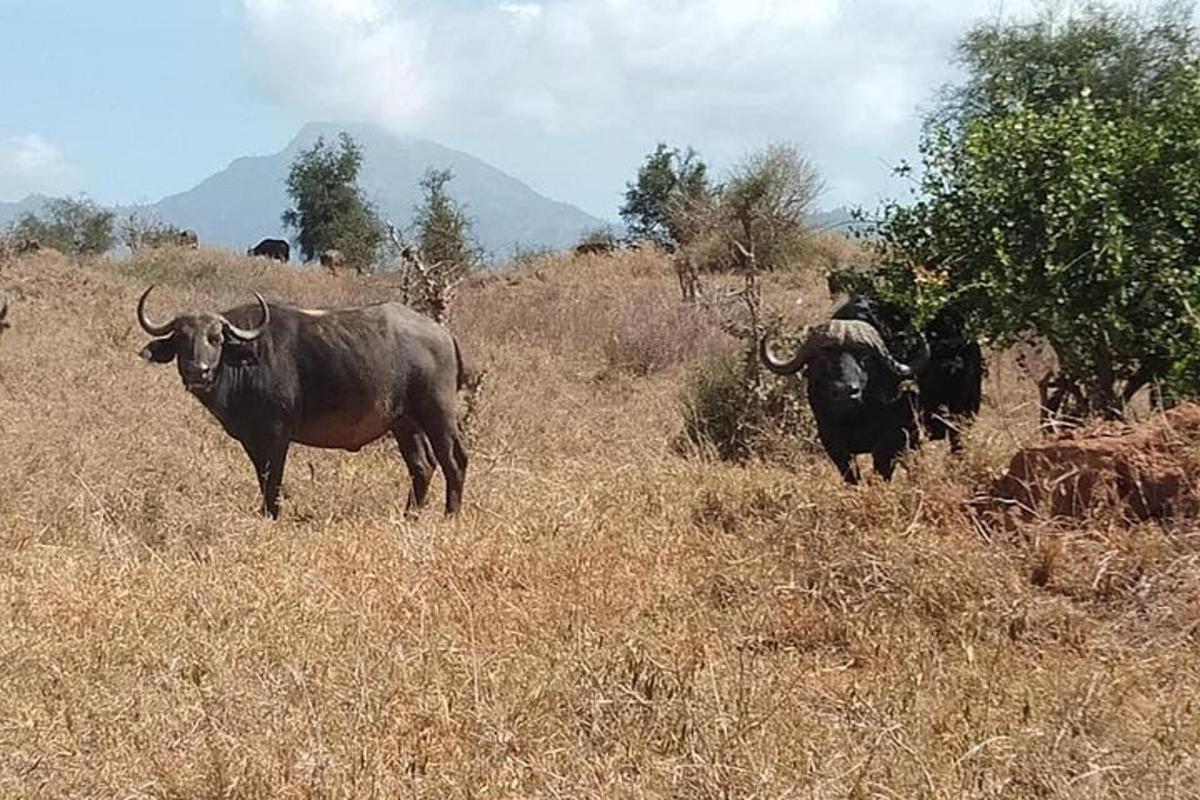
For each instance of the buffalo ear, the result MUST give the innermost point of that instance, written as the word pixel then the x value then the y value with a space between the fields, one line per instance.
pixel 159 351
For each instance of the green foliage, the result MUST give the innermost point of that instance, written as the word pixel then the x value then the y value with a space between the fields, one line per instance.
pixel 670 185
pixel 1059 198
pixel 329 211
pixel 726 415
pixel 443 230
pixel 74 226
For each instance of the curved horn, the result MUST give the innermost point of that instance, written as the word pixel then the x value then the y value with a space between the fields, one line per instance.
pixel 254 333
pixel 150 327
pixel 774 364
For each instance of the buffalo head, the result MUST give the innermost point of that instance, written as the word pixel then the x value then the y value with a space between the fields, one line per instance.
pixel 847 364
pixel 199 343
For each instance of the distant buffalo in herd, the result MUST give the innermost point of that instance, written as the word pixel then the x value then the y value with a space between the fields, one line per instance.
pixel 595 248
pixel 188 238
pixel 855 383
pixel 273 375
pixel 332 260
pixel 276 249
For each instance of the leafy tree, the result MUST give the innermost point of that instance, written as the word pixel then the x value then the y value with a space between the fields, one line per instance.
pixel 670 184
pixel 1059 198
pixel 442 227
pixel 75 226
pixel 329 211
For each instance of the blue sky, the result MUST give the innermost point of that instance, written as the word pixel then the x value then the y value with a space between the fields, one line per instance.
pixel 131 100
pixel 142 97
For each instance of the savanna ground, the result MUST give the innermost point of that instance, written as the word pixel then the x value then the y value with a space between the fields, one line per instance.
pixel 606 619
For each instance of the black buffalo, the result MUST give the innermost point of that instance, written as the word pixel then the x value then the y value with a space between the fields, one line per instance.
pixel 273 375
pixel 855 392
pixel 599 248
pixel 277 249
pixel 950 387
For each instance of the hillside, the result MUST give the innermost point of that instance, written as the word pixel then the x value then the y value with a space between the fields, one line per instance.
pixel 241 204
pixel 606 619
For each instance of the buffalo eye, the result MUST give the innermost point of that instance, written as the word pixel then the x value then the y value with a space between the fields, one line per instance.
pixel 214 338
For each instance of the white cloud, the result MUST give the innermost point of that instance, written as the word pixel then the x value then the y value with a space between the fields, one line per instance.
pixel 30 163
pixel 571 93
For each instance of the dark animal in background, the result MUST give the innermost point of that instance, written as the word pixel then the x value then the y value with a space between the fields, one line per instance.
pixel 950 387
pixel 188 238
pixel 855 394
pixel 277 249
pixel 273 375
pixel 594 248
pixel 331 260
pixel 28 246
pixel 4 325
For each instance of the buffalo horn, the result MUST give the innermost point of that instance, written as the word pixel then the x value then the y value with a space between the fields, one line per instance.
pixel 773 363
pixel 249 335
pixel 148 326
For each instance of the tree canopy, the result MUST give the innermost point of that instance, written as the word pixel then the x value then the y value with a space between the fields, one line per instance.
pixel 669 182
pixel 1059 198
pixel 75 226
pixel 329 210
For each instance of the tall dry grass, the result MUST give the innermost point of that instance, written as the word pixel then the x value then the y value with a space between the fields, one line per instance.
pixel 606 619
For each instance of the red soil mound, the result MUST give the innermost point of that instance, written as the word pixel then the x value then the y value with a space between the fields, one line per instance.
pixel 1143 471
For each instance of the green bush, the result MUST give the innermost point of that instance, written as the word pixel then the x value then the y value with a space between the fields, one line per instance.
pixel 74 226
pixel 1059 199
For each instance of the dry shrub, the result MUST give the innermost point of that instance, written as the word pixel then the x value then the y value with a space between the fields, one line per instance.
pixel 724 415
pixel 605 619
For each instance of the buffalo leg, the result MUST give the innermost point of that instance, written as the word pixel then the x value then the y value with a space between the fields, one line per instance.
pixel 955 433
pixel 444 436
pixel 276 460
pixel 840 455
pixel 885 462
pixel 258 457
pixel 268 458
pixel 419 458
pixel 888 449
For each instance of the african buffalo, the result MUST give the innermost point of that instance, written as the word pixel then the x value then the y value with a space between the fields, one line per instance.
pixel 3 314
pixel 950 388
pixel 341 379
pixel 855 394
pixel 277 249
pixel 188 238
pixel 599 248
pixel 331 260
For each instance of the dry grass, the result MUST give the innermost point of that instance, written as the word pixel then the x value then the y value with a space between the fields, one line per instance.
pixel 605 619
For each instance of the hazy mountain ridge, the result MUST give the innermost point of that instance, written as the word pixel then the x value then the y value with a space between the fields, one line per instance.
pixel 241 204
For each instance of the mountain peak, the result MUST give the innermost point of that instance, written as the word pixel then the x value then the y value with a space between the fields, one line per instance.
pixel 242 204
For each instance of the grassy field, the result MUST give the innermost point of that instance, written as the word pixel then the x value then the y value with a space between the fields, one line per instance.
pixel 606 619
